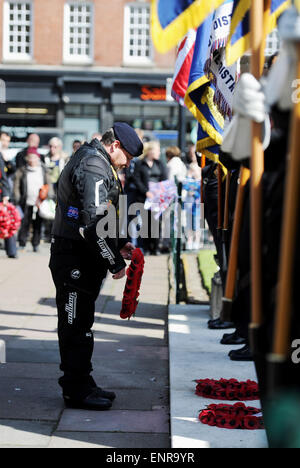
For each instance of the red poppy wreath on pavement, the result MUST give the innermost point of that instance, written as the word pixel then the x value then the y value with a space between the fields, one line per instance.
pixel 230 389
pixel 237 416
pixel 10 220
pixel 133 283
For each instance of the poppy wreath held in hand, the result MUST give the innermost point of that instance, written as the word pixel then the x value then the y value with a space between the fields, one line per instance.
pixel 237 416
pixel 224 389
pixel 10 220
pixel 133 283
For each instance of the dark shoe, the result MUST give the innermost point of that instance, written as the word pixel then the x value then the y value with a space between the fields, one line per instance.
pixel 12 256
pixel 91 402
pixel 219 325
pixel 105 394
pixel 35 248
pixel 232 339
pixel 243 354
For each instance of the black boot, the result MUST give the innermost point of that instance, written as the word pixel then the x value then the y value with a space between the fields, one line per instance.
pixel 242 354
pixel 232 339
pixel 102 393
pixel 218 324
pixel 93 401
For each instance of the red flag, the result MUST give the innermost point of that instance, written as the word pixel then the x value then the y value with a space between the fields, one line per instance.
pixel 183 66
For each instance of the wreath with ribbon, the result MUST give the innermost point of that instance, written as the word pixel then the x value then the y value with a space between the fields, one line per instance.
pixel 237 416
pixel 10 220
pixel 224 389
pixel 133 283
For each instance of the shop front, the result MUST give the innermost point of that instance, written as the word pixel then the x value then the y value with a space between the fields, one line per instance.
pixel 77 105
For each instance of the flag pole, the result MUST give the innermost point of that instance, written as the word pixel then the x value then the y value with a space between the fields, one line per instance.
pixel 234 247
pixel 220 207
pixel 258 28
pixel 283 317
pixel 226 224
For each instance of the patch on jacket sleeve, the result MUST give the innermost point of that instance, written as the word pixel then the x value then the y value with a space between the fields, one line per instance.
pixel 73 212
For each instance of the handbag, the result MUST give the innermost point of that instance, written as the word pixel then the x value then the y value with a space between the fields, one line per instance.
pixel 47 209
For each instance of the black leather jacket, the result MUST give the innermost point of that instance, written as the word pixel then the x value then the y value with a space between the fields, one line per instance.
pixel 88 186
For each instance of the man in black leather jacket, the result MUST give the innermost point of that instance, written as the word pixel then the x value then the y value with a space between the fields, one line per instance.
pixel 81 255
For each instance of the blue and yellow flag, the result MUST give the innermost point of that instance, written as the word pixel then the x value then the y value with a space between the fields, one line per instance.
pixel 211 83
pixel 172 19
pixel 239 38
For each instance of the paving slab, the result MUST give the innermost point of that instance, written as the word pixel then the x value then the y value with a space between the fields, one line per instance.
pixel 63 439
pixel 115 421
pixel 196 353
pixel 30 370
pixel 138 380
pixel 130 358
pixel 23 398
pixel 25 434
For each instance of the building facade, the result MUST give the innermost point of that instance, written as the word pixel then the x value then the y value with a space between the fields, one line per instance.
pixel 73 67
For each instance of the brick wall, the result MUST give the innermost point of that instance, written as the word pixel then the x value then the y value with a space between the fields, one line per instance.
pixel 108 34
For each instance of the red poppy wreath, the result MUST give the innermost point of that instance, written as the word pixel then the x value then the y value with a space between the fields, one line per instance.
pixel 236 416
pixel 133 283
pixel 10 220
pixel 230 389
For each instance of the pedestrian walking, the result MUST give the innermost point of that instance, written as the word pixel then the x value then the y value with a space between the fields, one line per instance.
pixel 28 182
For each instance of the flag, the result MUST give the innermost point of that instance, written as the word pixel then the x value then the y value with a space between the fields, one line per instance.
pixel 239 38
pixel 172 19
pixel 183 66
pixel 212 83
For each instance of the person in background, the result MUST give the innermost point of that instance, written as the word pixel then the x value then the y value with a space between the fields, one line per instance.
pixel 97 135
pixel 190 154
pixel 55 162
pixel 10 244
pixel 175 166
pixel 10 167
pixel 130 189
pixel 33 141
pixel 27 185
pixel 75 146
pixel 149 169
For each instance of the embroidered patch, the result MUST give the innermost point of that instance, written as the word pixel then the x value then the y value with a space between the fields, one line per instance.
pixel 75 274
pixel 70 307
pixel 73 212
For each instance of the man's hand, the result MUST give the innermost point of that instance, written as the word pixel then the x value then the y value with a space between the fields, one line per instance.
pixel 5 200
pixel 119 275
pixel 127 250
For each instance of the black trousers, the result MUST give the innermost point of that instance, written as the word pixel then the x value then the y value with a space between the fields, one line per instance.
pixel 77 276
pixel 27 221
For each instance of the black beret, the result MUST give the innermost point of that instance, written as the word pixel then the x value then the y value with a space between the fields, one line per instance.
pixel 128 138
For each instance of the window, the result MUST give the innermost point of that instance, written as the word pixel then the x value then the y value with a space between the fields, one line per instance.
pixel 17 30
pixel 272 43
pixel 78 46
pixel 137 40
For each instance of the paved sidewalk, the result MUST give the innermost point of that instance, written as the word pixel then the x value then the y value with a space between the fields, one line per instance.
pixel 130 357
pixel 196 353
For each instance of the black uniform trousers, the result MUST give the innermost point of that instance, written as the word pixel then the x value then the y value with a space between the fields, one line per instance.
pixel 77 274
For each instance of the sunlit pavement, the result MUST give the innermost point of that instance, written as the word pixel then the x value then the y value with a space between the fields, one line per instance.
pixel 130 358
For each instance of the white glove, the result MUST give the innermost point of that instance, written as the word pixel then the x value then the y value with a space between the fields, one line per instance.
pixel 249 104
pixel 249 100
pixel 278 87
pixel 237 138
